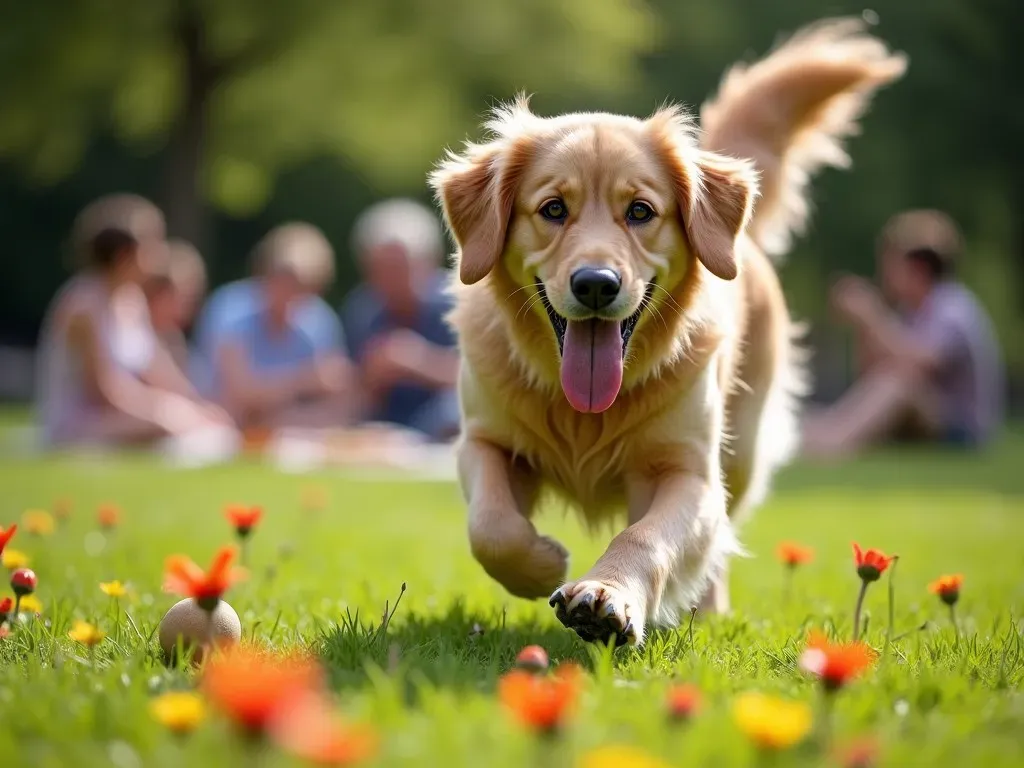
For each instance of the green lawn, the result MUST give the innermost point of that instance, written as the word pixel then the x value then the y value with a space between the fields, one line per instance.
pixel 427 684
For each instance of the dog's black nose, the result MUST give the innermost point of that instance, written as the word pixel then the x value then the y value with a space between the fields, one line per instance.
pixel 595 288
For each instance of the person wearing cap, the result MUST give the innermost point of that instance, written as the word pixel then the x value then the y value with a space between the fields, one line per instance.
pixel 395 320
pixel 174 294
pixel 271 368
pixel 103 378
pixel 930 366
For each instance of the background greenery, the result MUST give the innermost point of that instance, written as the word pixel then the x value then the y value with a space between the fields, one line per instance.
pixel 236 116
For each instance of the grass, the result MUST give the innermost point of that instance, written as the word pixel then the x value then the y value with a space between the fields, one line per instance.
pixel 426 682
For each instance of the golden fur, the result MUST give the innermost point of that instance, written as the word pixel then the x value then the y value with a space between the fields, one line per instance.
pixel 706 408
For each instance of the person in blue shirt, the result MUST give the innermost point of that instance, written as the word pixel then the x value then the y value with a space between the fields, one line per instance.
pixel 239 298
pixel 394 320
pixel 273 350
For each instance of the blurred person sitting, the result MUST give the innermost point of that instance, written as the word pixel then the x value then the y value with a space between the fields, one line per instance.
pixel 174 294
pixel 274 367
pixel 931 368
pixel 103 377
pixel 230 302
pixel 395 320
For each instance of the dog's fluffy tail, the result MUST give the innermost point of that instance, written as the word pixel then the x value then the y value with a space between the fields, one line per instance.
pixel 790 112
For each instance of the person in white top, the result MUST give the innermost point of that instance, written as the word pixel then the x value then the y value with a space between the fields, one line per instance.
pixel 102 377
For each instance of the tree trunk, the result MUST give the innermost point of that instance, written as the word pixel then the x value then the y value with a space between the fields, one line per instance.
pixel 183 203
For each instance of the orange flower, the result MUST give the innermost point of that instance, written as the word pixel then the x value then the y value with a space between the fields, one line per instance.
pixel 871 564
pixel 183 577
pixel 947 588
pixel 6 534
pixel 683 701
pixel 6 607
pixel 62 509
pixel 253 687
pixel 310 729
pixel 835 663
pixel 243 518
pixel 108 516
pixel 542 703
pixel 792 554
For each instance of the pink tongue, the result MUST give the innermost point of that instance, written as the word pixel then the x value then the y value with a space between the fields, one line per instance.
pixel 592 364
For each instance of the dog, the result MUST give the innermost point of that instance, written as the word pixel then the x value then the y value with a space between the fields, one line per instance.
pixel 625 343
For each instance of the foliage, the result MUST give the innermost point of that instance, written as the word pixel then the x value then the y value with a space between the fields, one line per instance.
pixel 382 84
pixel 321 107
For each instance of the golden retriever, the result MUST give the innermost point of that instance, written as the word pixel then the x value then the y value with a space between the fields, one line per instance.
pixel 625 342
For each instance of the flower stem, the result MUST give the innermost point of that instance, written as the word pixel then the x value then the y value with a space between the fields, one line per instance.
pixel 955 623
pixel 892 602
pixel 17 608
pixel 825 721
pixel 787 585
pixel 857 609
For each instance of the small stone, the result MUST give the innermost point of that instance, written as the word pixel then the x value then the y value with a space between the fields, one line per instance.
pixel 186 620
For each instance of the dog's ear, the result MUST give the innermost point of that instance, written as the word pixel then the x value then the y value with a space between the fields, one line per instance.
pixel 477 190
pixel 719 209
pixel 715 193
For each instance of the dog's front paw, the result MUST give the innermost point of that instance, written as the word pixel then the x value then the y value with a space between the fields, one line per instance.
pixel 598 612
pixel 525 563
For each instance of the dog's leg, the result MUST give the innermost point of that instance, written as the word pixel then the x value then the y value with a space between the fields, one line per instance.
pixel 656 566
pixel 500 496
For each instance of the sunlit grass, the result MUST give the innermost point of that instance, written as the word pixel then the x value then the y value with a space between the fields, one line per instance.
pixel 425 676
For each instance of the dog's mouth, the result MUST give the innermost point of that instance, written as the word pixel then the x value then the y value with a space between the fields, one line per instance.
pixel 560 324
pixel 593 353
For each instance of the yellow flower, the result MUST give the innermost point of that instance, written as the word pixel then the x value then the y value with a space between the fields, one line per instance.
pixel 314 498
pixel 179 711
pixel 85 633
pixel 30 604
pixel 771 723
pixel 14 559
pixel 38 521
pixel 617 756
pixel 113 588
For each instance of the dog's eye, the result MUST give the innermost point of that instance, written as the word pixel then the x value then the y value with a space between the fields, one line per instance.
pixel 554 210
pixel 639 212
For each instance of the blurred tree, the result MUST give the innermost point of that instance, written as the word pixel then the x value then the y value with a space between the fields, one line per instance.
pixel 238 91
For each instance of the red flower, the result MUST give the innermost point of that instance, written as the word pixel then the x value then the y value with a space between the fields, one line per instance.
pixel 947 588
pixel 532 657
pixel 243 518
pixel 5 535
pixel 311 730
pixel 108 516
pixel 793 554
pixel 860 754
pixel 871 564
pixel 252 687
pixel 683 701
pixel 835 663
pixel 183 577
pixel 542 703
pixel 6 606
pixel 23 582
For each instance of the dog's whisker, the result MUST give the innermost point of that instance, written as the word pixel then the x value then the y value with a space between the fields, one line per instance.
pixel 528 305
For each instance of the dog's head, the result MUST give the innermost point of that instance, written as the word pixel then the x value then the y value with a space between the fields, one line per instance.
pixel 597 217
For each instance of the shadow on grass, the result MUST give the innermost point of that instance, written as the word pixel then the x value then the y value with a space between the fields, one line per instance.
pixel 457 649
